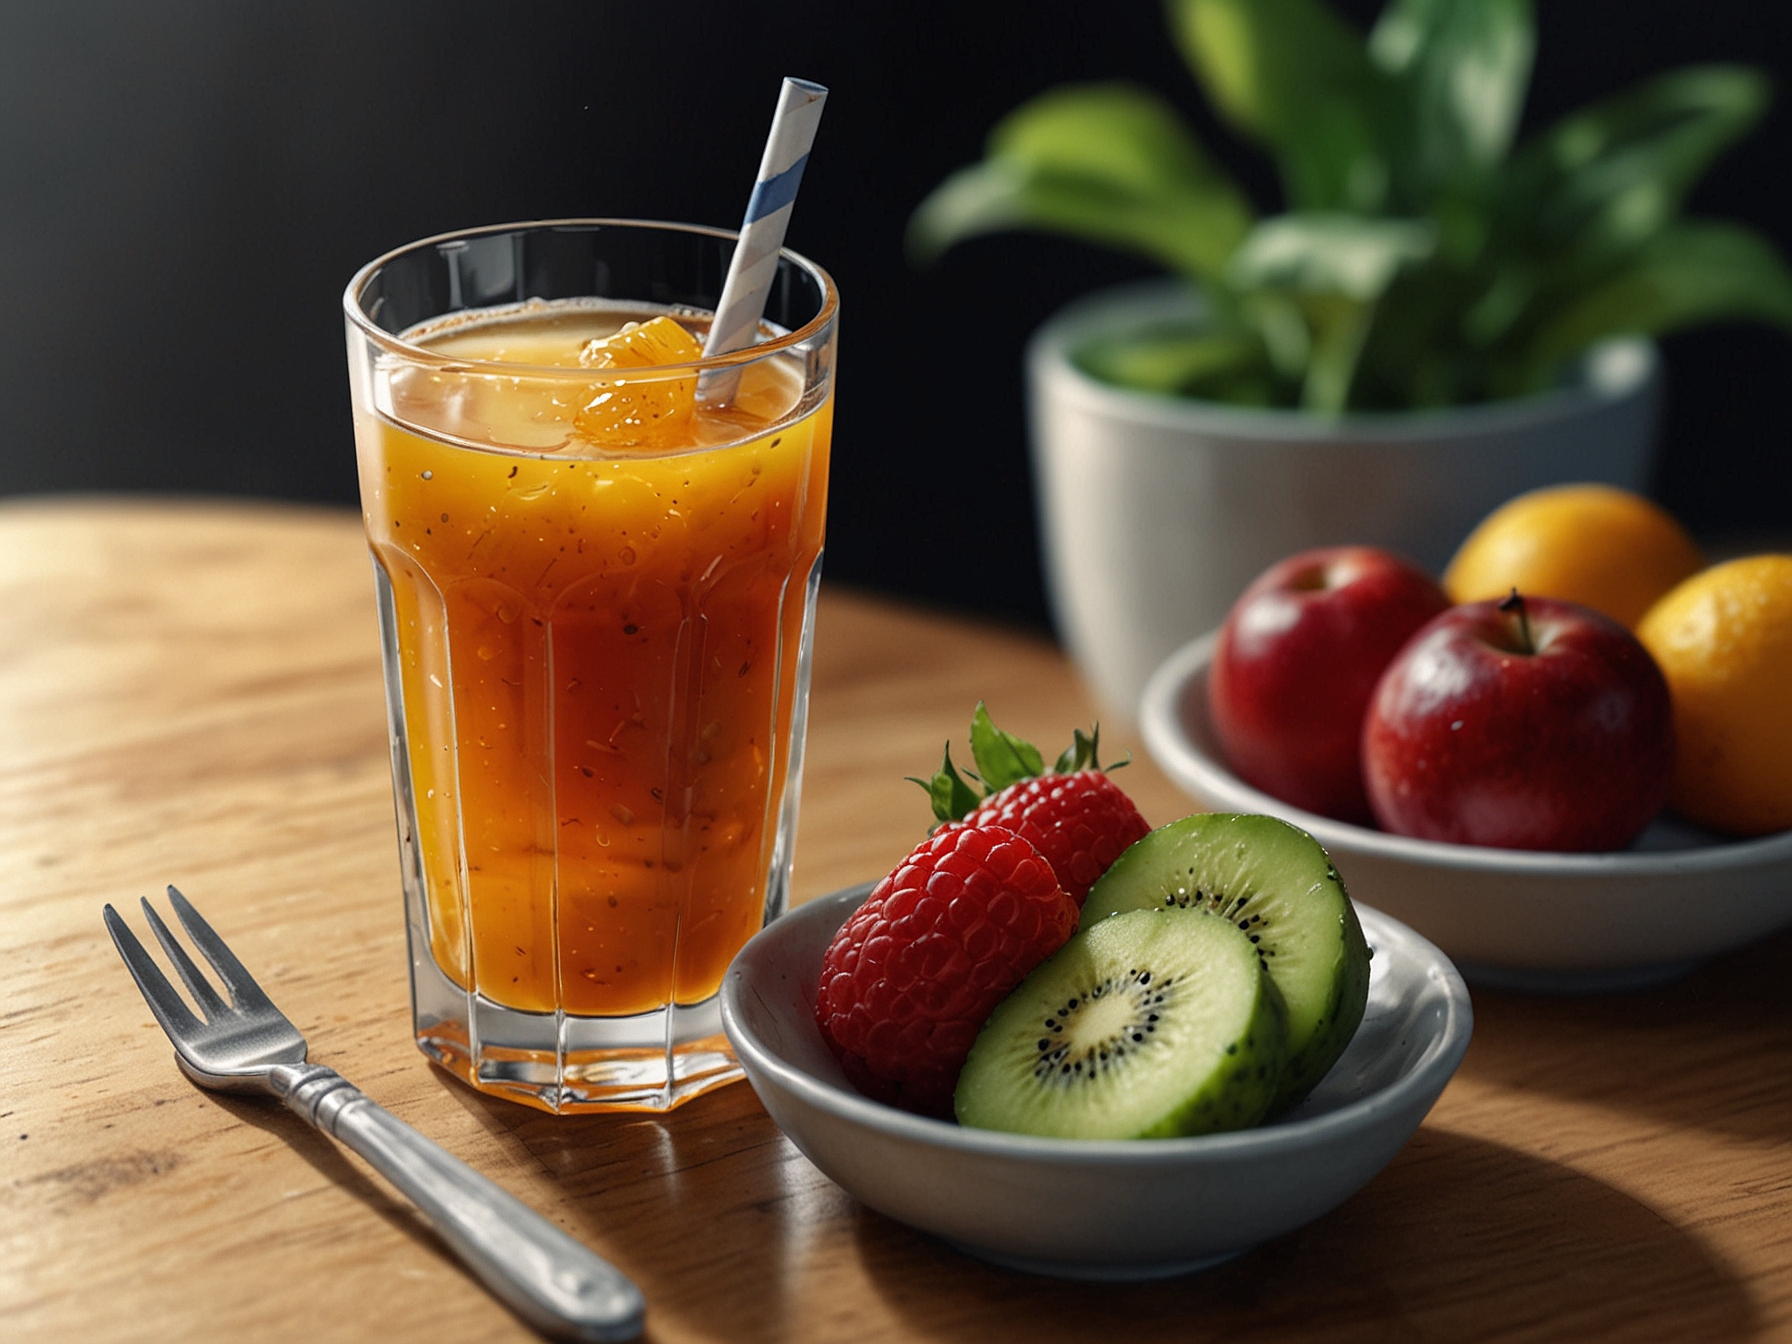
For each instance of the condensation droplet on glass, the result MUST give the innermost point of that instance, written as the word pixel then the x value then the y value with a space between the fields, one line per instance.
pixel 486 653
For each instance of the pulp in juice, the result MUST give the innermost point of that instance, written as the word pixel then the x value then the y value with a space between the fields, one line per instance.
pixel 597 586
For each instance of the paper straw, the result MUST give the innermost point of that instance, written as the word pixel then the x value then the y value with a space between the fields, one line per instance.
pixel 755 260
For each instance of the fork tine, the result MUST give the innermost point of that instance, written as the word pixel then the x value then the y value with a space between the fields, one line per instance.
pixel 197 985
pixel 244 992
pixel 176 1018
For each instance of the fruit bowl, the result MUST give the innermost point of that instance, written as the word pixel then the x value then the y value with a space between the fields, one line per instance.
pixel 1511 919
pixel 1133 1209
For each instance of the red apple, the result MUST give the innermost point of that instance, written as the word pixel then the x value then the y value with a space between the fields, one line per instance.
pixel 1527 724
pixel 1297 660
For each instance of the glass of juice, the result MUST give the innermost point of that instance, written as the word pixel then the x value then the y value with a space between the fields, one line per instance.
pixel 596 555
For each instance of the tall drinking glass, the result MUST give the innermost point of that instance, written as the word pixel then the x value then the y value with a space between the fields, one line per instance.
pixel 596 555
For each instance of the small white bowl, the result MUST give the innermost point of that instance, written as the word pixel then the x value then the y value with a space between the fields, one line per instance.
pixel 1136 1209
pixel 1511 919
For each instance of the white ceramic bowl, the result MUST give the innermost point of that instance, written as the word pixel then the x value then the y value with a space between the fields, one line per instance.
pixel 1156 511
pixel 1102 1210
pixel 1559 923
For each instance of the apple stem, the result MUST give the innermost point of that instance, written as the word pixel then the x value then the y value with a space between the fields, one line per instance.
pixel 1515 603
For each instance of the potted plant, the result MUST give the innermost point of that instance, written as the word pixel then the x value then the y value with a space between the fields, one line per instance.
pixel 1439 319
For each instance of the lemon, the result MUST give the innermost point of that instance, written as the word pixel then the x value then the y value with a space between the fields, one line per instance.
pixel 1723 640
pixel 1597 545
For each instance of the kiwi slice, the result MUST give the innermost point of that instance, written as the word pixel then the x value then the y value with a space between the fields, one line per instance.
pixel 1148 1025
pixel 1277 884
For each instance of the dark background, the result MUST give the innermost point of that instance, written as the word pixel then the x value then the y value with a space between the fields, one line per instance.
pixel 186 187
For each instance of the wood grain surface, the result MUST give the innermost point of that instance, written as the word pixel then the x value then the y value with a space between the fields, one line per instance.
pixel 191 693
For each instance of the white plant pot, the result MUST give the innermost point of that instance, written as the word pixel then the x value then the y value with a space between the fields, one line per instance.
pixel 1156 511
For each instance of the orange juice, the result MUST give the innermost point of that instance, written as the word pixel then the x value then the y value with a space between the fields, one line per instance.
pixel 594 588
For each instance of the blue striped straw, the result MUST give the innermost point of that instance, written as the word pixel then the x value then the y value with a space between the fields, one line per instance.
pixel 755 261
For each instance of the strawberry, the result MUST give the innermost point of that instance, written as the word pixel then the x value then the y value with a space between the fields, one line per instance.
pixel 912 975
pixel 1079 822
pixel 1074 814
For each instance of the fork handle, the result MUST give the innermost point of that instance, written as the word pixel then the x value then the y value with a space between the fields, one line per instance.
pixel 547 1277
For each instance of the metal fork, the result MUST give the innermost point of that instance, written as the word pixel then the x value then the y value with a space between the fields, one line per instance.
pixel 248 1045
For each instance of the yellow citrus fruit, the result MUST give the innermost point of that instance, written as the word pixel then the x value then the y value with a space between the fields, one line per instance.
pixel 1597 545
pixel 1723 640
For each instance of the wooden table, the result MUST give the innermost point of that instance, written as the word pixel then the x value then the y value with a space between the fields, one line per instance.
pixel 191 693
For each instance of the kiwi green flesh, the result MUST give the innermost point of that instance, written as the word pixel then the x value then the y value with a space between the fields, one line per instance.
pixel 1277 884
pixel 1151 1024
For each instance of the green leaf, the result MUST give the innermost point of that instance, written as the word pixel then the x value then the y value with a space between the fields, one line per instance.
pixel 1002 759
pixel 952 798
pixel 1691 272
pixel 1170 360
pixel 1118 132
pixel 1330 253
pixel 1290 75
pixel 1341 326
pixel 1106 163
pixel 1465 65
pixel 1501 303
pixel 1605 179
pixel 1338 266
pixel 1282 327
pixel 1083 753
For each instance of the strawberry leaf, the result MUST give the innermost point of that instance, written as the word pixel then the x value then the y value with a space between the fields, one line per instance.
pixel 1081 753
pixel 952 798
pixel 1002 758
pixel 1084 753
